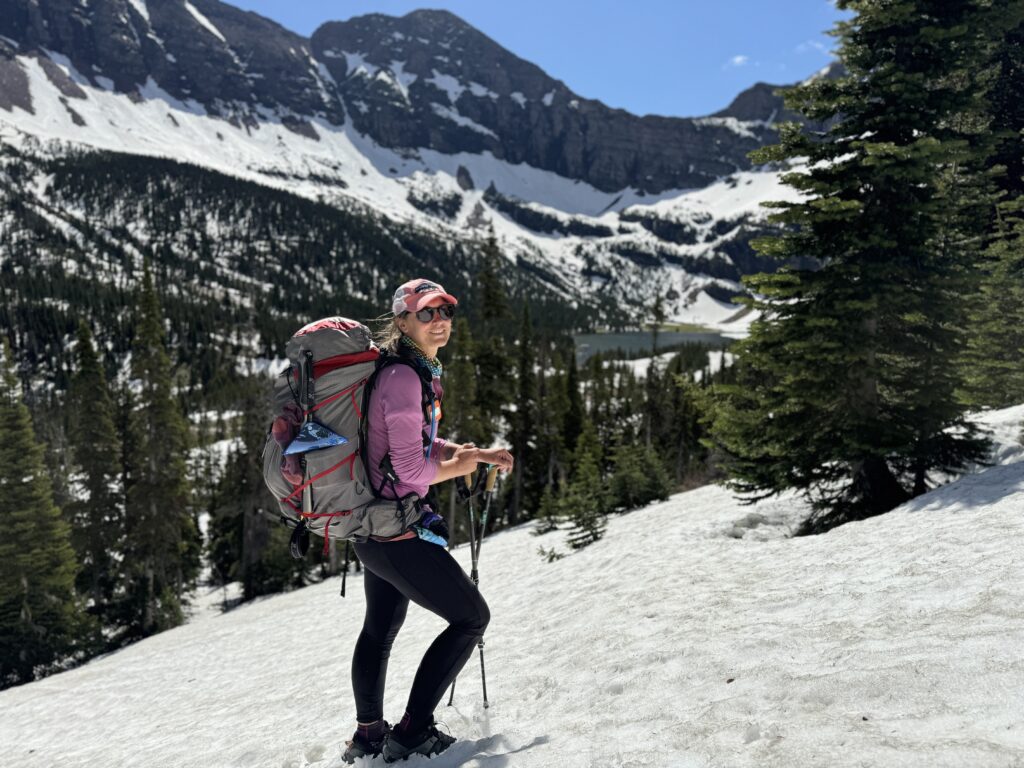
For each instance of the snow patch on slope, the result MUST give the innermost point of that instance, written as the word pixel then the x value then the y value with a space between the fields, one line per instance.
pixel 140 6
pixel 728 198
pixel 705 310
pixel 452 114
pixel 448 84
pixel 481 91
pixel 356 64
pixel 402 78
pixel 205 22
pixel 734 125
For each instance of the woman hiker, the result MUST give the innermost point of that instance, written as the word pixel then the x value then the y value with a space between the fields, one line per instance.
pixel 414 565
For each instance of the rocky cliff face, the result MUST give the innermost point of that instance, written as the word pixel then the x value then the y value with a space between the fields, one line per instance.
pixel 227 62
pixel 430 80
pixel 426 80
pixel 761 102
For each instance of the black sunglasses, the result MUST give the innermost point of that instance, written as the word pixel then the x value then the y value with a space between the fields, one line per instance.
pixel 446 311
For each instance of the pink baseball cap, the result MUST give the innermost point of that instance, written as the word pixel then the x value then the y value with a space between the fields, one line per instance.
pixel 416 294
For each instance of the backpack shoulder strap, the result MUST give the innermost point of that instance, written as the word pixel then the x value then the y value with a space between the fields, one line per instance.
pixel 386 360
pixel 426 380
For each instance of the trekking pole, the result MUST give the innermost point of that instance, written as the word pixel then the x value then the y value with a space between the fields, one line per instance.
pixel 468 480
pixel 475 542
pixel 492 476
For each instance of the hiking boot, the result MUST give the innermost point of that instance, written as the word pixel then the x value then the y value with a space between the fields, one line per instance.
pixel 399 745
pixel 360 747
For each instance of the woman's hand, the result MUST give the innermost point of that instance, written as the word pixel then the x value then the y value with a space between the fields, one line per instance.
pixel 451 448
pixel 499 457
pixel 465 458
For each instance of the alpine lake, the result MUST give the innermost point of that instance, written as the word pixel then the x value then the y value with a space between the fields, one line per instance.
pixel 633 344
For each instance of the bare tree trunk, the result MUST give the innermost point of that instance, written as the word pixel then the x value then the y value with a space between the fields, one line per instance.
pixel 874 485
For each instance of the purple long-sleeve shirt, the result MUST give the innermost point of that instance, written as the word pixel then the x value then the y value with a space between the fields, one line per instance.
pixel 397 424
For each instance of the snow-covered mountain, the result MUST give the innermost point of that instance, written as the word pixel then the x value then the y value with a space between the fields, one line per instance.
pixel 696 634
pixel 421 118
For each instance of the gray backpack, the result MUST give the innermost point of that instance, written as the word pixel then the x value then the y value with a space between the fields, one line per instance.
pixel 313 460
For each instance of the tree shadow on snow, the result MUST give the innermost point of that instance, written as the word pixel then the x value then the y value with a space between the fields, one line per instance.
pixel 983 489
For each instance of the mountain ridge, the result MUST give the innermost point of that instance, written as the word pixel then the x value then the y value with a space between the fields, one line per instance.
pixel 373 114
pixel 236 64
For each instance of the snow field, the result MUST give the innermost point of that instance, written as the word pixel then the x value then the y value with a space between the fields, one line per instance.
pixel 694 634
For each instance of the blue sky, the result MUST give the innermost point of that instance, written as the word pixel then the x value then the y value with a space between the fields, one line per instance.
pixel 666 57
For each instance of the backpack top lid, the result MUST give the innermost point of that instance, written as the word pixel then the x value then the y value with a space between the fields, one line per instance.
pixel 337 323
pixel 328 337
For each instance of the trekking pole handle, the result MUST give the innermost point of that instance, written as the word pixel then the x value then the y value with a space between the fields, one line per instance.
pixel 492 477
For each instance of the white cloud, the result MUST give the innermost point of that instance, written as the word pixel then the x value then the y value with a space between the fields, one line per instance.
pixel 812 45
pixel 738 61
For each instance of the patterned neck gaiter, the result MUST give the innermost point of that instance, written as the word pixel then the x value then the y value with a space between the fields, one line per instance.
pixel 430 363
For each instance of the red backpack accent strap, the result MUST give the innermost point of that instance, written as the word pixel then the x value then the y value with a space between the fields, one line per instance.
pixel 350 391
pixel 299 489
pixel 328 364
pixel 327 528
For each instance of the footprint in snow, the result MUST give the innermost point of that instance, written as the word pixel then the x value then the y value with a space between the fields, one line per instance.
pixel 310 755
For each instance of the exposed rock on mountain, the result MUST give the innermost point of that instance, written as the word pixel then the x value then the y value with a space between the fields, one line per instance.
pixel 429 80
pixel 228 62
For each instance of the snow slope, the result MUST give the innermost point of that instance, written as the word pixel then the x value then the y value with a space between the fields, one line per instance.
pixel 695 634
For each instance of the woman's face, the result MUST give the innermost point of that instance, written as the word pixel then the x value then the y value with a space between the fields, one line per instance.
pixel 429 336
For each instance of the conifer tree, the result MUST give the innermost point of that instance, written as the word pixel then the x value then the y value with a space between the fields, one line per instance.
pixel 638 477
pixel 657 319
pixel 1006 107
pixel 492 360
pixel 493 307
pixel 522 419
pixel 599 397
pixel 994 363
pixel 41 623
pixel 553 403
pixel 585 501
pixel 247 543
pixel 687 408
pixel 461 410
pixel 994 366
pixel 549 514
pixel 846 383
pixel 97 515
pixel 572 420
pixel 159 525
pixel 655 393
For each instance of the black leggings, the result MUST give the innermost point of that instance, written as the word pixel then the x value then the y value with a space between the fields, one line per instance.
pixel 395 573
